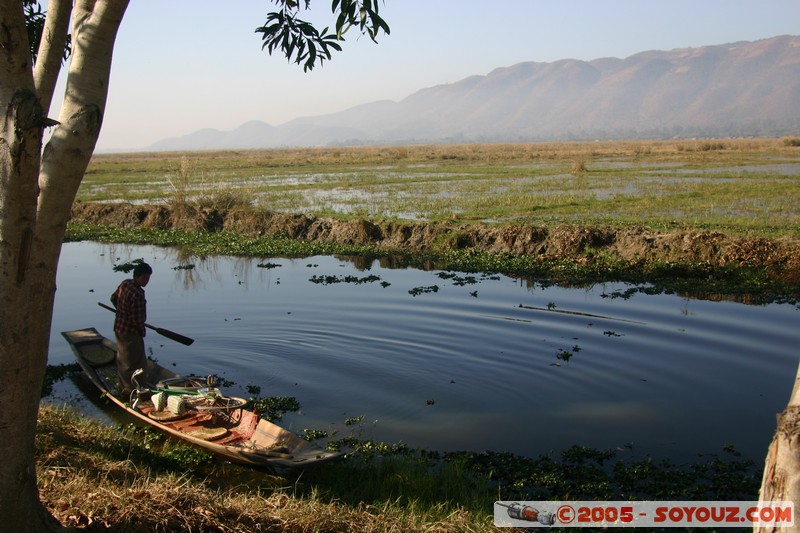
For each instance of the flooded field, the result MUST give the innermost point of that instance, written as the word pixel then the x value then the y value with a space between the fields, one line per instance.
pixel 740 185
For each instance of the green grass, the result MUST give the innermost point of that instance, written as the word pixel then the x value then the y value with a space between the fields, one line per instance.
pixel 737 186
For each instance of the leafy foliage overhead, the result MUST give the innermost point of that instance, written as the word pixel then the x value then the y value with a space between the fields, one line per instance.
pixel 301 42
pixel 34 21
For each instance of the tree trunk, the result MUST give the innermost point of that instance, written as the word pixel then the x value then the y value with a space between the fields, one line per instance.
pixel 22 357
pixel 51 50
pixel 36 193
pixel 781 481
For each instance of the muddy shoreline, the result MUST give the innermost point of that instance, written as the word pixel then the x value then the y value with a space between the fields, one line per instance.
pixel 779 258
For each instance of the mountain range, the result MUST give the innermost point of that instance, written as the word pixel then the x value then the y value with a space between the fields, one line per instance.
pixel 736 89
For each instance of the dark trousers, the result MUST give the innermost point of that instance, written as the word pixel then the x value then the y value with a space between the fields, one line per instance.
pixel 130 357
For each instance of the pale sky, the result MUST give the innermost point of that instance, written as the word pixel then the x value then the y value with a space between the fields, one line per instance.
pixel 184 65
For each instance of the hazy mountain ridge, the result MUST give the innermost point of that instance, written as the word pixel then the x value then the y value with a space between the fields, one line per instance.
pixel 737 89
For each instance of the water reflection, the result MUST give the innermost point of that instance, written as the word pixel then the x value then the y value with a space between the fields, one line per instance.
pixel 483 362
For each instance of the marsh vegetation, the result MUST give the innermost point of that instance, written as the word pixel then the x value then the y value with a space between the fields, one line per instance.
pixel 743 186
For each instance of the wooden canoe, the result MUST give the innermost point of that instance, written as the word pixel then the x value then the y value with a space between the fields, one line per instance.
pixel 239 436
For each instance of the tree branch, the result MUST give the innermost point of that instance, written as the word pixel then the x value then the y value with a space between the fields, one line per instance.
pixel 51 50
pixel 67 154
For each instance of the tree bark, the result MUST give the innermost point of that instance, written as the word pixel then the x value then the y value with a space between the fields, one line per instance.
pixel 781 481
pixel 36 192
pixel 22 361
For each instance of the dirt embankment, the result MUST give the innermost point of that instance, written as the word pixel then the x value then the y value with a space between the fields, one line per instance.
pixel 780 257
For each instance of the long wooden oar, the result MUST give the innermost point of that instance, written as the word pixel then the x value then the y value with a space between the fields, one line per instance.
pixel 161 331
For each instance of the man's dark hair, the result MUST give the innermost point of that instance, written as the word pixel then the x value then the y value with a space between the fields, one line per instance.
pixel 142 269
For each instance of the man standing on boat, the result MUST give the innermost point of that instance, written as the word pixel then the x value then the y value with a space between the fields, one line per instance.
pixel 129 324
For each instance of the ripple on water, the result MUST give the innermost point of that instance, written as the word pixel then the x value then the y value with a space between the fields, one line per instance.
pixel 493 364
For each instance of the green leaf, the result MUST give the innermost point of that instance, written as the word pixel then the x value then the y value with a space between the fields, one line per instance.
pixel 302 43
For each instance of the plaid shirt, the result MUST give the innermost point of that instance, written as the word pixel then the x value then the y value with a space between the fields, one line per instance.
pixel 131 308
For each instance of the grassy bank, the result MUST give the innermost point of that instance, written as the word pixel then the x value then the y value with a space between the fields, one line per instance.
pixel 125 478
pixel 753 279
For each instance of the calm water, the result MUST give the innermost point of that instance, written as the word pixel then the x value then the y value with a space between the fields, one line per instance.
pixel 489 363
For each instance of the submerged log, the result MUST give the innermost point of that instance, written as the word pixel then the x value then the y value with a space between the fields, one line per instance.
pixel 781 481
